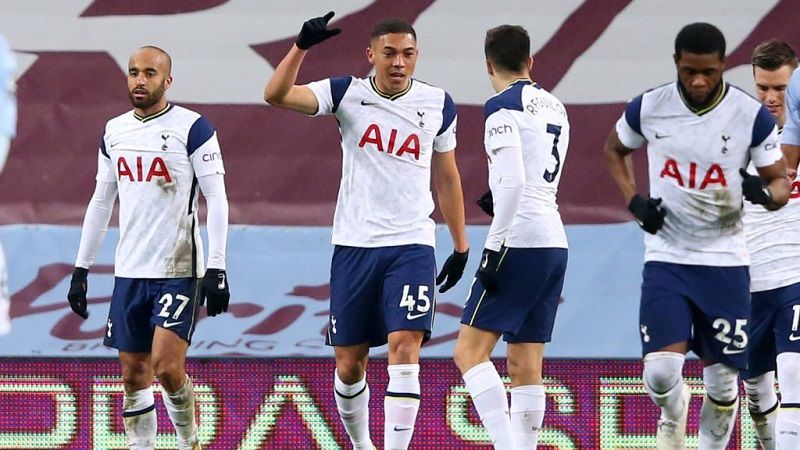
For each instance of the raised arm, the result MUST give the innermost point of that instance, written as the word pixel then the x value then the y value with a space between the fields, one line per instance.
pixel 281 90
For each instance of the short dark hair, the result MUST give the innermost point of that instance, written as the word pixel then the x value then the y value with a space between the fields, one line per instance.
pixel 392 25
pixel 163 52
pixel 701 38
pixel 774 54
pixel 508 47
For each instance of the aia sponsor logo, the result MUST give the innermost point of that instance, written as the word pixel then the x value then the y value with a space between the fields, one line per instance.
pixel 683 178
pixel 373 135
pixel 156 168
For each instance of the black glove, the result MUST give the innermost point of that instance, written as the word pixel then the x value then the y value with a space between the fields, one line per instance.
pixel 215 289
pixel 452 270
pixel 315 31
pixel 77 292
pixel 755 189
pixel 486 202
pixel 649 214
pixel 489 269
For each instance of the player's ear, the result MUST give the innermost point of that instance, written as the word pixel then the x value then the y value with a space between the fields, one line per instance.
pixel 530 63
pixel 167 82
pixel 370 55
pixel 489 68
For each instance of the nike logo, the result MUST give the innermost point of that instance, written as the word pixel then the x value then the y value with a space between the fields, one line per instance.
pixel 729 351
pixel 366 103
pixel 410 316
pixel 793 338
pixel 396 428
pixel 171 324
pixel 661 136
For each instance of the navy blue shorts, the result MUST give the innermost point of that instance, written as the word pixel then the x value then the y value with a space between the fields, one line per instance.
pixel 375 291
pixel 707 306
pixel 138 305
pixel 774 328
pixel 524 306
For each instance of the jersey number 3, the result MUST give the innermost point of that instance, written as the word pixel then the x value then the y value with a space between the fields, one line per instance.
pixel 555 130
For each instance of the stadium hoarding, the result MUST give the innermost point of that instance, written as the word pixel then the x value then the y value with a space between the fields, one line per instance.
pixel 279 294
pixel 287 403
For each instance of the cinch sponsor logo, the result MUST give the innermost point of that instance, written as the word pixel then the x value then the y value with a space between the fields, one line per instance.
pixel 208 157
pixel 501 129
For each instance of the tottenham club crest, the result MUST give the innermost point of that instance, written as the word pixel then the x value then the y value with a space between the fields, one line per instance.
pixel 164 137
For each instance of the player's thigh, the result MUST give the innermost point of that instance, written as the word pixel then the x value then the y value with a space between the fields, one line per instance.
pixel 721 298
pixel 175 306
pixel 408 296
pixel 129 327
pixel 356 315
pixel 665 314
pixel 535 283
pixel 764 310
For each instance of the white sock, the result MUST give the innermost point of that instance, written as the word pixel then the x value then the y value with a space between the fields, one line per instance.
pixel 663 380
pixel 720 404
pixel 352 400
pixel 180 407
pixel 489 397
pixel 139 416
pixel 787 424
pixel 762 403
pixel 527 414
pixel 400 406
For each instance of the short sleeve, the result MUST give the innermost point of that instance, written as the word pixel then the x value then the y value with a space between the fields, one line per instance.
pixel 329 93
pixel 768 151
pixel 203 149
pixel 105 168
pixel 501 130
pixel 629 126
pixel 445 139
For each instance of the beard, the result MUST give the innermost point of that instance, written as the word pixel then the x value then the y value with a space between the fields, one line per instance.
pixel 150 99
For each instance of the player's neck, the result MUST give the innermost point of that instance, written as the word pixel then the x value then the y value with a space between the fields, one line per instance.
pixel 713 99
pixel 155 109
pixel 502 80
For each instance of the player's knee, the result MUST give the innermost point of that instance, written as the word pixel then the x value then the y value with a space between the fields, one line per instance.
pixel 529 372
pixel 466 358
pixel 170 373
pixel 404 349
pixel 789 376
pixel 662 371
pixel 136 375
pixel 759 387
pixel 721 383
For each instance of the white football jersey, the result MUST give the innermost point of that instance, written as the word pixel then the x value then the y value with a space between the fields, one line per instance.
pixel 155 161
pixel 528 117
pixel 387 145
pixel 773 239
pixel 694 159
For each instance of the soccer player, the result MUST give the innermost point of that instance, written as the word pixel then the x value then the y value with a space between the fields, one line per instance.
pixel 395 130
pixel 700 134
pixel 8 128
pixel 156 157
pixel 773 240
pixel 519 281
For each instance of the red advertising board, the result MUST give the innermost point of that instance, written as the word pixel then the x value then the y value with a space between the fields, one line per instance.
pixel 287 403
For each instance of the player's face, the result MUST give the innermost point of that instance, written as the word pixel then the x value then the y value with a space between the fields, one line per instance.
pixel 148 79
pixel 394 56
pixel 700 75
pixel 770 89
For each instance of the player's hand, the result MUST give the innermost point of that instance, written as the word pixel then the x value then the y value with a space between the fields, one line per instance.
pixel 488 271
pixel 215 291
pixel 315 31
pixel 452 270
pixel 755 189
pixel 78 287
pixel 486 202
pixel 648 212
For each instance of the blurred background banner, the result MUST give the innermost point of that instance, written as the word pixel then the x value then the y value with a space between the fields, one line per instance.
pixel 279 294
